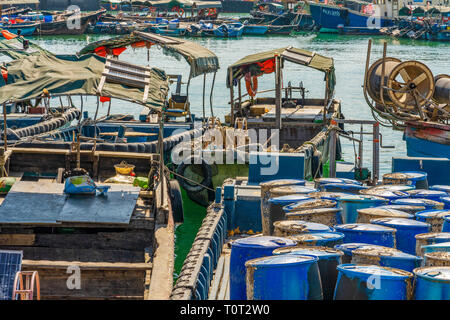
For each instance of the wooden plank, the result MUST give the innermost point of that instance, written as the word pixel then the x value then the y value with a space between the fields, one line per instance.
pixel 225 279
pixel 17 239
pixel 217 279
pixel 48 264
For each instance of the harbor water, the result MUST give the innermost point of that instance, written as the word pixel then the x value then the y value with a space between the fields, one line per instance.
pixel 348 52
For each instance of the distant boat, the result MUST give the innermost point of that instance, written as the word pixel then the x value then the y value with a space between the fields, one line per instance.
pixel 63 26
pixel 229 30
pixel 255 29
pixel 337 19
pixel 26 29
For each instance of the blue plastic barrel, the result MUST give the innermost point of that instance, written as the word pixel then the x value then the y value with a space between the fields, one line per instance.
pixel 329 259
pixel 441 187
pixel 343 187
pixel 437 247
pixel 446 202
pixel 427 203
pixel 284 190
pixel 434 217
pixel 385 193
pixel 321 239
pixel 367 233
pixel 319 182
pixel 407 230
pixel 288 228
pixel 437 258
pixel 48 18
pixel 432 283
pixel 426 239
pixel 370 282
pixel 275 210
pixel 404 207
pixel 414 178
pixel 246 249
pixel 309 204
pixel 335 196
pixel 446 225
pixel 427 194
pixel 367 214
pixel 283 277
pixel 351 204
pixel 348 248
pixel 326 216
pixel 386 257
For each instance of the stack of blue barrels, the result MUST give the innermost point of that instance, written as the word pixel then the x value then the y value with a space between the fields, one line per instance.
pixel 342 240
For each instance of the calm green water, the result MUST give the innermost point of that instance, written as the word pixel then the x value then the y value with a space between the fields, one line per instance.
pixel 349 53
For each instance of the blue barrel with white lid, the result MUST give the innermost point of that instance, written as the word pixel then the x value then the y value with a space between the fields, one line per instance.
pixel 426 239
pixel 329 259
pixel 437 258
pixel 275 210
pixel 432 283
pixel 437 247
pixel 446 202
pixel 266 194
pixel 446 224
pixel 283 277
pixel 411 209
pixel 434 217
pixel 343 187
pixel 326 216
pixel 385 193
pixel 441 187
pixel 246 249
pixel 348 248
pixel 386 257
pixel 427 203
pixel 407 229
pixel 367 233
pixel 352 203
pixel 434 195
pixel 319 182
pixel 371 282
pixel 309 204
pixel 286 190
pixel 335 196
pixel 320 239
pixel 414 178
pixel 288 228
pixel 367 214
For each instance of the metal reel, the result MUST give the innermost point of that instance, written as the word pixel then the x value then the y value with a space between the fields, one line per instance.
pixel 374 79
pixel 411 85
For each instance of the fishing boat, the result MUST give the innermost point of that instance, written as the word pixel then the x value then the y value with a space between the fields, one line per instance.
pixel 228 30
pixel 254 29
pixel 25 29
pixel 352 17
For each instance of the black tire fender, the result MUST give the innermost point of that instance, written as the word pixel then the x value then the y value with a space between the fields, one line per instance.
pixel 207 172
pixel 176 200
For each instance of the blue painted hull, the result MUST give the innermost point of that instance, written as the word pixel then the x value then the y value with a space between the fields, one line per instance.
pixel 255 30
pixel 25 30
pixel 337 19
pixel 418 146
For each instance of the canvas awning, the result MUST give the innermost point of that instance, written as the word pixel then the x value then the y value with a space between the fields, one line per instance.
pixel 15 2
pixel 29 76
pixel 199 58
pixel 254 63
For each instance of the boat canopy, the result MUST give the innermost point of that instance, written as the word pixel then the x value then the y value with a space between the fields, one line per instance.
pixel 168 3
pixel 199 58
pixel 33 75
pixel 260 63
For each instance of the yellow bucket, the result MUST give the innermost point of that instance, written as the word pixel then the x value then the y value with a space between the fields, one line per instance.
pixel 124 168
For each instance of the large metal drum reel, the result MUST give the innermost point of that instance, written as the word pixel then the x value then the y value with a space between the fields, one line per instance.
pixel 442 90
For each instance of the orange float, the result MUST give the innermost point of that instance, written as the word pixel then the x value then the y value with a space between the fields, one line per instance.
pixel 251 83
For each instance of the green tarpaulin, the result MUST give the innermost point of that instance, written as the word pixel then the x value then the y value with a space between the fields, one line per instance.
pixel 72 75
pixel 167 3
pixel 14 48
pixel 199 58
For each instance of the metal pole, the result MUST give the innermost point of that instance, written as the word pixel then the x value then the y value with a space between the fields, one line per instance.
pixel 203 103
pixel 332 153
pixel 211 95
pixel 5 140
pixel 278 92
pixel 376 152
pixel 230 80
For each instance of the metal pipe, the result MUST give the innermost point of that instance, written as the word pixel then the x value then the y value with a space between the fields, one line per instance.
pixel 332 153
pixel 5 140
pixel 230 79
pixel 203 97
pixel 376 153
pixel 211 95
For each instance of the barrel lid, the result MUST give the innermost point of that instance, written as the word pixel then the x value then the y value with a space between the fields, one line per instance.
pixel 403 207
pixel 423 193
pixel 288 199
pixel 362 198
pixel 302 226
pixel 445 199
pixel 320 252
pixel 440 245
pixel 385 212
pixel 310 203
pixel 433 273
pixel 322 181
pixel 357 227
pixel 263 241
pixel 312 211
pixel 384 272
pixel 419 201
pixel 380 251
pixel 292 190
pixel 344 186
pixel 385 193
pixel 411 175
pixel 447 218
pixel 395 187
pixel 327 194
pixel 440 187
pixel 317 236
pixel 282 182
pixel 282 259
pixel 399 222
pixel 433 213
pixel 439 255
pixel 433 235
pixel 349 247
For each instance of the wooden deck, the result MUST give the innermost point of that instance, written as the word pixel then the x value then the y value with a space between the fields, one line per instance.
pixel 220 286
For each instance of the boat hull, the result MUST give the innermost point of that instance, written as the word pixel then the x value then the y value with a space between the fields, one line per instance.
pixel 26 30
pixel 255 30
pixel 427 140
pixel 64 27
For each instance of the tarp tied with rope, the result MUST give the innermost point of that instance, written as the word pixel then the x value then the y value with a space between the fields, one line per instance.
pixel 263 62
pixel 14 48
pixel 199 58
pixel 168 3
pixel 31 75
